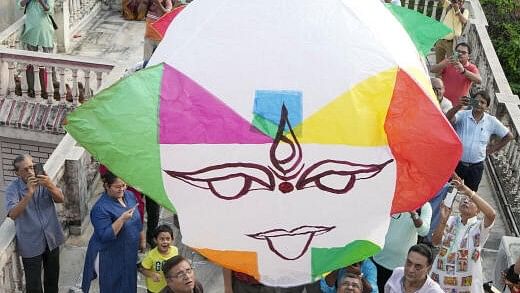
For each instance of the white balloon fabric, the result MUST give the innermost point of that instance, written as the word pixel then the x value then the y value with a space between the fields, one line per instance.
pixel 284 132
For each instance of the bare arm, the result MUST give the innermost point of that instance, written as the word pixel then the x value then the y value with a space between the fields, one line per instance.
pixel 450 115
pixel 437 68
pixel 460 16
pixel 156 277
pixel 474 77
pixel 500 144
pixel 484 207
pixel 439 231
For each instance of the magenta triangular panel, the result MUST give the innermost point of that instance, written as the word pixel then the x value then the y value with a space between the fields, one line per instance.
pixel 189 114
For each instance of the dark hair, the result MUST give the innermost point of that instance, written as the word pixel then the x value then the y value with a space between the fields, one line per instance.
pixel 365 285
pixel 483 94
pixel 172 262
pixel 423 250
pixel 18 159
pixel 109 178
pixel 511 276
pixel 464 45
pixel 162 228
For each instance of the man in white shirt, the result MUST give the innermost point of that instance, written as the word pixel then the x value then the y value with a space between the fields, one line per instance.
pixel 413 277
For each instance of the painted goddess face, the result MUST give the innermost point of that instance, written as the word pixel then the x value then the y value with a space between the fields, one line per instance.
pixel 284 132
pixel 285 145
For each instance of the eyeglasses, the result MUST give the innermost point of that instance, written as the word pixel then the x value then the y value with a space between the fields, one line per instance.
pixel 122 186
pixel 181 274
pixel 462 52
pixel 348 284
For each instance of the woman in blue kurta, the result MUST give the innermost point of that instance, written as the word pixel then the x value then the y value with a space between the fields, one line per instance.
pixel 112 250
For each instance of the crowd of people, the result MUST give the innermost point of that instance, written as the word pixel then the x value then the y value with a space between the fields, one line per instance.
pixel 431 249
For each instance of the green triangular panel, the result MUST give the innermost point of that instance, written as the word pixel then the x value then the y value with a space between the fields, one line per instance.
pixel 119 127
pixel 423 30
pixel 326 260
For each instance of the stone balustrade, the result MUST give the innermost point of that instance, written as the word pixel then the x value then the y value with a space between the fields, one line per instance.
pixel 427 7
pixel 75 172
pixel 77 73
pixel 504 166
pixel 75 79
pixel 70 16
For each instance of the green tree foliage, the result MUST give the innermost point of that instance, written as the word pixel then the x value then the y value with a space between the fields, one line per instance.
pixel 504 29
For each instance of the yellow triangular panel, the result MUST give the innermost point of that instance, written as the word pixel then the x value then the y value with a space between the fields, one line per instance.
pixel 355 118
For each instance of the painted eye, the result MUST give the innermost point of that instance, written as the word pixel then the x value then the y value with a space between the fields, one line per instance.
pixel 337 176
pixel 228 181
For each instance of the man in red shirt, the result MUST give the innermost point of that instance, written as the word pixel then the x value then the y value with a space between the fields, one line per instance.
pixel 457 73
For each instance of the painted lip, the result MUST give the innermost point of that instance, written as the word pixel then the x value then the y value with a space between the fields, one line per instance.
pixel 307 233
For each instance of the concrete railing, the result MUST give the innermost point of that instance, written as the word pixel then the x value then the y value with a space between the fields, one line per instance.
pixel 70 16
pixel 75 78
pixel 75 172
pixel 504 166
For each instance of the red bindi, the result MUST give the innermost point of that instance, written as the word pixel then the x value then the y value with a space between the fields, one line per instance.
pixel 285 187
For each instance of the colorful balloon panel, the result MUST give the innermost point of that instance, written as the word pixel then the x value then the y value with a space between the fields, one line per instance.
pixel 284 132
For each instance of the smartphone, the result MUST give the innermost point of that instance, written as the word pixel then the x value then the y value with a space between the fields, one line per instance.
pixel 450 196
pixel 455 55
pixel 473 102
pixel 38 169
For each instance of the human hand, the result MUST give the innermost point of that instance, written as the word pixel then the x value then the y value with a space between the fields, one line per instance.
pixel 458 66
pixel 128 214
pixel 464 101
pixel 490 149
pixel 32 182
pixel 156 277
pixel 44 180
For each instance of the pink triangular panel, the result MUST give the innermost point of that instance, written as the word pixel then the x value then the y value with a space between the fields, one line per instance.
pixel 189 114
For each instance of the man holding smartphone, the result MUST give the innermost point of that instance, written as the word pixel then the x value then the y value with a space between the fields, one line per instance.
pixel 457 73
pixel 475 128
pixel 30 202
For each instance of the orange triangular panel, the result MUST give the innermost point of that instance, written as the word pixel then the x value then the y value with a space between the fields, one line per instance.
pixel 238 261
pixel 423 142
